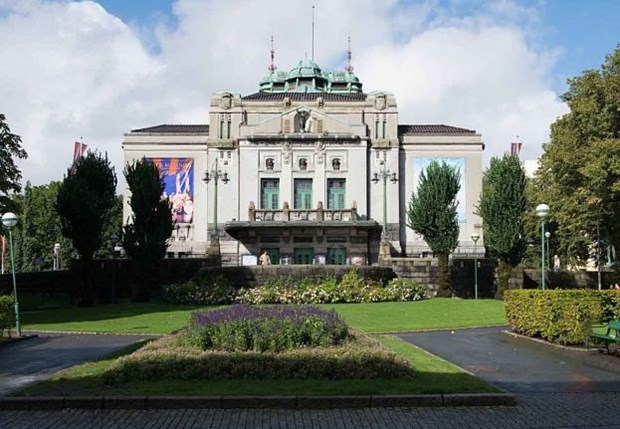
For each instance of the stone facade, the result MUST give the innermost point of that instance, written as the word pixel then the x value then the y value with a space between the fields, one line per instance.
pixel 302 168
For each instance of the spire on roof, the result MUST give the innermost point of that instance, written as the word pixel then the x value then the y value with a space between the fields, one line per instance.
pixel 272 67
pixel 349 67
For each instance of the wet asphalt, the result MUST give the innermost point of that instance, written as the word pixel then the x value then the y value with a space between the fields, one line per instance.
pixel 28 361
pixel 520 365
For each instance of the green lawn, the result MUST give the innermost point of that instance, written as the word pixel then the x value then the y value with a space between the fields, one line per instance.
pixel 437 313
pixel 433 375
pixel 149 318
pixel 153 318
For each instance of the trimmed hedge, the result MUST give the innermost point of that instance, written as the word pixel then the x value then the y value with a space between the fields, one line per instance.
pixel 171 358
pixel 560 316
pixel 7 313
pixel 213 290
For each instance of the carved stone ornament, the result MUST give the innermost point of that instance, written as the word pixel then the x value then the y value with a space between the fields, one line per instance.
pixel 380 102
pixel 319 151
pixel 287 151
pixel 226 101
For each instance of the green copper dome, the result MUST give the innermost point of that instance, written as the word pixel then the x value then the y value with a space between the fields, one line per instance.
pixel 307 76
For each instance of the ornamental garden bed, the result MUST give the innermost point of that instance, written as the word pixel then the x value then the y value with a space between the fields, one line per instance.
pixel 288 350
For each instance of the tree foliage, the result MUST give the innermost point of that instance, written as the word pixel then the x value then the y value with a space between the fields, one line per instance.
pixel 501 207
pixel 432 213
pixel 146 236
pixel 40 228
pixel 580 168
pixel 83 200
pixel 10 175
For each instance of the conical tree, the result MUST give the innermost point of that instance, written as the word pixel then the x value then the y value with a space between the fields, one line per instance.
pixel 501 207
pixel 84 198
pixel 146 236
pixel 432 214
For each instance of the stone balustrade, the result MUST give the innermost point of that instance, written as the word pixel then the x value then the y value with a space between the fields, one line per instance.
pixel 287 214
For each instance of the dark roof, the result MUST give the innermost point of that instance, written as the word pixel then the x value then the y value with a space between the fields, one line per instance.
pixel 175 129
pixel 439 129
pixel 304 96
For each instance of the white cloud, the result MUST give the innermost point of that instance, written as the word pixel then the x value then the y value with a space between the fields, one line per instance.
pixel 75 70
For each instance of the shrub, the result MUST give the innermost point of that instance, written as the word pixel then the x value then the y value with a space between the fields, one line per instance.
pixel 7 313
pixel 169 358
pixel 275 328
pixel 202 291
pixel 560 316
pixel 352 288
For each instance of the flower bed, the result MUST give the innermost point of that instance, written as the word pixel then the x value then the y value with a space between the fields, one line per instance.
pixel 274 328
pixel 352 288
pixel 172 358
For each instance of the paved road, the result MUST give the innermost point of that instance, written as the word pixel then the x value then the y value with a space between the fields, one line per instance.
pixel 555 389
pixel 538 410
pixel 24 362
pixel 521 365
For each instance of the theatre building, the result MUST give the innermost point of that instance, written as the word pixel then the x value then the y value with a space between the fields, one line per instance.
pixel 310 168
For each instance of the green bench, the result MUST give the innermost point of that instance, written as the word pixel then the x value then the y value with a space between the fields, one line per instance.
pixel 611 336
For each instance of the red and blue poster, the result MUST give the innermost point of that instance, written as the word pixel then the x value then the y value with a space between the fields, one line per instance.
pixel 178 177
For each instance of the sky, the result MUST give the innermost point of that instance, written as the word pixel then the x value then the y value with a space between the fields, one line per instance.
pixel 98 69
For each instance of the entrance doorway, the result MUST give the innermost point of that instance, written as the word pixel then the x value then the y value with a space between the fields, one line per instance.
pixel 274 254
pixel 303 255
pixel 337 256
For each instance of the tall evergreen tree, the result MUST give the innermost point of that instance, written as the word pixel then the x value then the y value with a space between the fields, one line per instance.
pixel 10 175
pixel 84 198
pixel 432 213
pixel 502 206
pixel 146 236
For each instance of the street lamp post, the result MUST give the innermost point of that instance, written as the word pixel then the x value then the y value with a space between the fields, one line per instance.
pixel 216 175
pixel 56 264
pixel 547 236
pixel 542 210
pixel 114 239
pixel 384 174
pixel 9 220
pixel 475 236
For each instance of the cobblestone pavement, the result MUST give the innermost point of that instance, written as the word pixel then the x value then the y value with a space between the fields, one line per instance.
pixel 537 410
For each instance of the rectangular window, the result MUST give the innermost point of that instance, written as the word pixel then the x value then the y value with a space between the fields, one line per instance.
pixel 303 194
pixel 336 193
pixel 270 194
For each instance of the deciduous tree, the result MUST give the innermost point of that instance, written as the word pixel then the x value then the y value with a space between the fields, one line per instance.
pixel 502 206
pixel 432 214
pixel 10 175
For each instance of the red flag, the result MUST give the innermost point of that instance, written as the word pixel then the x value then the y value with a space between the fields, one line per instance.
pixel 84 148
pixel 77 152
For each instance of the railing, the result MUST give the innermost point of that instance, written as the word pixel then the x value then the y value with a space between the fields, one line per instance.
pixel 182 233
pixel 317 215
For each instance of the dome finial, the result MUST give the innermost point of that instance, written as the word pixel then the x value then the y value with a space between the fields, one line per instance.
pixel 272 67
pixel 349 67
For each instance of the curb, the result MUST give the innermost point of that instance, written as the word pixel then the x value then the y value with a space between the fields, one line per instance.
pixel 13 340
pixel 268 402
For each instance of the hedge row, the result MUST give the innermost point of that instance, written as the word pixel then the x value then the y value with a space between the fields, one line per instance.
pixel 560 316
pixel 171 358
pixel 7 313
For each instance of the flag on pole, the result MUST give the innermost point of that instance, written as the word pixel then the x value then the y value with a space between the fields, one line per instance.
pixel 79 150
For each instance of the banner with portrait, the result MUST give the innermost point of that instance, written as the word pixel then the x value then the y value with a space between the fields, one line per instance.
pixel 178 177
pixel 420 165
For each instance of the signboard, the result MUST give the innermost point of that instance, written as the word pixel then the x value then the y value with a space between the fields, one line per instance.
pixel 178 177
pixel 420 164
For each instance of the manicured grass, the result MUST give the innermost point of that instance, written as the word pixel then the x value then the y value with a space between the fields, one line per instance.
pixel 436 313
pixel 433 375
pixel 151 318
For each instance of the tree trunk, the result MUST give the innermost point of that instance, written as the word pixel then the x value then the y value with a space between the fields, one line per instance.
pixel 443 289
pixel 86 291
pixel 504 271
